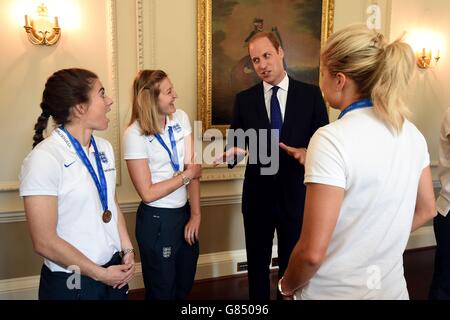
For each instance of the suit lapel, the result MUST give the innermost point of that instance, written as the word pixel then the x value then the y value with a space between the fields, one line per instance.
pixel 292 103
pixel 261 106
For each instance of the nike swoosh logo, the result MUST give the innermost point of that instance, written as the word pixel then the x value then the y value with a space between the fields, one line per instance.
pixel 68 165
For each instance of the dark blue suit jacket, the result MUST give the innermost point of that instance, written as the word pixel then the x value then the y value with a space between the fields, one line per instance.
pixel 305 113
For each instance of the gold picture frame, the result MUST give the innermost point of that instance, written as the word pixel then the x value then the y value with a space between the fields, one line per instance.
pixel 205 50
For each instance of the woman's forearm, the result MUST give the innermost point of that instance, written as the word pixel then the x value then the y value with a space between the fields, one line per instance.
pixel 194 196
pixel 161 189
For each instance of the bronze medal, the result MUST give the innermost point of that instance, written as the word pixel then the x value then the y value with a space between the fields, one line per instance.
pixel 106 216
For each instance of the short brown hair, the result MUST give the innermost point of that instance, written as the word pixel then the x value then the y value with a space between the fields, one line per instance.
pixel 269 35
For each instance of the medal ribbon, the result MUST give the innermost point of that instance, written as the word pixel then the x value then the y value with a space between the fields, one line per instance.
pixel 172 155
pixel 100 182
pixel 364 103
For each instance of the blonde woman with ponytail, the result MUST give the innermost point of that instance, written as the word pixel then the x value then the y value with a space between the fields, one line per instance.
pixel 367 175
pixel 159 155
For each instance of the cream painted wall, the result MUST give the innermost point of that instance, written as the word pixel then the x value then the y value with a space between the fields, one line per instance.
pixel 24 69
pixel 172 33
pixel 127 68
pixel 355 11
pixel 430 95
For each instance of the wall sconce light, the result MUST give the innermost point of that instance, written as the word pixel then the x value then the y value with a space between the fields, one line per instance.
pixel 40 35
pixel 425 58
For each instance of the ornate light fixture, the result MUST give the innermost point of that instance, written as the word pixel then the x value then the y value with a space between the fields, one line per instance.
pixel 425 57
pixel 40 35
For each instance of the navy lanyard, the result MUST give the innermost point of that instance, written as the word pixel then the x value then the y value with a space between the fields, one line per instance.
pixel 99 183
pixel 364 103
pixel 172 155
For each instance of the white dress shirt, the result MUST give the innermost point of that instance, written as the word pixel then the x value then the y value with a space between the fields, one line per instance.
pixel 281 95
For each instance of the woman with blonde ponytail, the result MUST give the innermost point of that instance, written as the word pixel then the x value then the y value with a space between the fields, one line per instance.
pixel 367 175
pixel 68 185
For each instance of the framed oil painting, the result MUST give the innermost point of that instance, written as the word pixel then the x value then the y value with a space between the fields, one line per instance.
pixel 224 28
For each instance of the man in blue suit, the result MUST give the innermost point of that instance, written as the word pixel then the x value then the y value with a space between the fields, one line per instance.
pixel 292 111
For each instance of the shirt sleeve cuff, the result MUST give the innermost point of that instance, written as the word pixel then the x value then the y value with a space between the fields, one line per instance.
pixel 38 192
pixel 135 156
pixel 325 180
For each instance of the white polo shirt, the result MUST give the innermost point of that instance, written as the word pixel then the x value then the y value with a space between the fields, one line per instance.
pixel 443 201
pixel 380 173
pixel 139 146
pixel 53 168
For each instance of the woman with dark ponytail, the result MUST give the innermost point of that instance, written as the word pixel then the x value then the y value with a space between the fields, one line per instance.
pixel 367 174
pixel 68 185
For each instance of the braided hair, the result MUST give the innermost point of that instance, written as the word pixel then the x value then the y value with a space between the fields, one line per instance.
pixel 63 90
